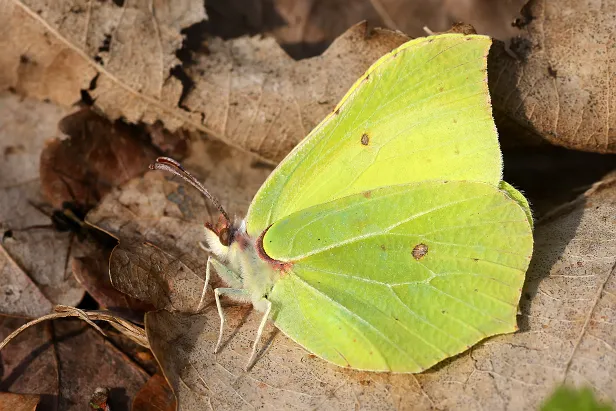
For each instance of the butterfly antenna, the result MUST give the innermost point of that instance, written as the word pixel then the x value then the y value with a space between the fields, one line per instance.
pixel 173 167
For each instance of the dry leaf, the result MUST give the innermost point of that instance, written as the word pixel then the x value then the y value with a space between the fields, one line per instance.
pixel 34 61
pixel 96 156
pixel 305 28
pixel 566 336
pixel 92 272
pixel 125 50
pixel 160 223
pixel 65 362
pixel 155 395
pixel 138 353
pixel 18 402
pixel 19 296
pixel 135 213
pixel 42 253
pixel 249 93
pixel 25 126
pixel 561 85
pixel 29 364
pixel 75 173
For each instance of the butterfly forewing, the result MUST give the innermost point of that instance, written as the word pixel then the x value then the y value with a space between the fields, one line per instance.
pixel 420 113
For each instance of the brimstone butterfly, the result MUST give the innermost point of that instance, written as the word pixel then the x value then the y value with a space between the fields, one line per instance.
pixel 386 240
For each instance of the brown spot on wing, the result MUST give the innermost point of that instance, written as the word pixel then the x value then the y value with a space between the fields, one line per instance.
pixel 419 251
pixel 365 139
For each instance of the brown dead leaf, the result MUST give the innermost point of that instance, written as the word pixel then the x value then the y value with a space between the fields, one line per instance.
pixel 92 272
pixel 160 223
pixel 125 49
pixel 29 364
pixel 305 28
pixel 96 156
pixel 174 144
pixel 561 85
pixel 566 335
pixel 42 253
pixel 247 92
pixel 19 296
pixel 136 213
pixel 18 402
pixel 137 352
pixel 487 16
pixel 155 395
pixel 36 63
pixel 75 173
pixel 65 362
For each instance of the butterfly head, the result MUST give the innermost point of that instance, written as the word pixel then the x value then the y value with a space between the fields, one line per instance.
pixel 219 236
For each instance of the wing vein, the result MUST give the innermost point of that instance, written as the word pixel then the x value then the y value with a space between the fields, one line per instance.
pixel 360 319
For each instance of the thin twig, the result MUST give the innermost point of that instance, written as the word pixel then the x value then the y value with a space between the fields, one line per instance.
pixel 135 333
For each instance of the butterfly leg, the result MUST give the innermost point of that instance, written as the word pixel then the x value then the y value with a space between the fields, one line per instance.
pixel 226 274
pixel 238 294
pixel 230 277
pixel 208 270
pixel 253 355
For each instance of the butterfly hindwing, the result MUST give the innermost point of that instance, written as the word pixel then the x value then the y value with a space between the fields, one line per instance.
pixel 401 277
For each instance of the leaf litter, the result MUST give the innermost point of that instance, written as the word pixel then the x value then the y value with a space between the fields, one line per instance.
pixel 41 253
pixel 64 363
pixel 155 395
pixel 96 156
pixel 559 82
pixel 265 93
pixel 159 223
pixel 19 402
pixel 36 252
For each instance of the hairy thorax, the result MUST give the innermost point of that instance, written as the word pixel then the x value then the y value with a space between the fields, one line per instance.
pixel 244 255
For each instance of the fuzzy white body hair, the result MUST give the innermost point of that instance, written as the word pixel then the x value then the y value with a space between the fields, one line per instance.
pixel 252 273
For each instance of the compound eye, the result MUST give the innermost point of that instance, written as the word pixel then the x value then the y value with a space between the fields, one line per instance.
pixel 225 237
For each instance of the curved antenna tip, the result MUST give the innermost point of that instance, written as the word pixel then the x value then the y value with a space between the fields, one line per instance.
pixel 174 167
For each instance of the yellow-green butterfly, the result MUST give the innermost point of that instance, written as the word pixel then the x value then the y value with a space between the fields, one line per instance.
pixel 386 240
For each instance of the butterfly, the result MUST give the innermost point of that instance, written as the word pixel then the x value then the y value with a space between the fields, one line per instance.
pixel 386 240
